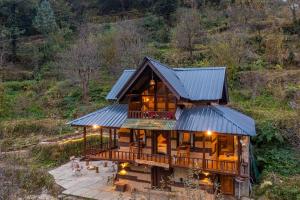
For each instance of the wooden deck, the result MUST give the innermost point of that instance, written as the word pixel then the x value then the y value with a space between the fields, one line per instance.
pixel 224 167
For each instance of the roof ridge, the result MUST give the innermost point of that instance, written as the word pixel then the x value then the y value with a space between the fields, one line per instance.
pixel 198 68
pixel 154 60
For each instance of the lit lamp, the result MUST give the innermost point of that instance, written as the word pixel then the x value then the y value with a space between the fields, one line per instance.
pixel 123 172
pixel 209 133
pixel 152 81
pixel 95 126
pixel 206 173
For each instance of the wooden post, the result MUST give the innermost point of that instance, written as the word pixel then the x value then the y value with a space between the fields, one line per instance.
pixel 239 156
pixel 203 150
pixel 110 143
pixel 84 141
pixel 115 138
pixel 139 143
pixel 169 147
pixel 101 138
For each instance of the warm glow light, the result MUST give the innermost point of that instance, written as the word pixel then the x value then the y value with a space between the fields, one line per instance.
pixel 152 82
pixel 206 173
pixel 123 165
pixel 95 126
pixel 209 133
pixel 147 99
pixel 123 172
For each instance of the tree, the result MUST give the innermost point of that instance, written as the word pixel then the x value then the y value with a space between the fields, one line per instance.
pixel 131 43
pixel 44 20
pixel 294 6
pixel 81 61
pixel 187 31
pixel 16 16
pixel 165 8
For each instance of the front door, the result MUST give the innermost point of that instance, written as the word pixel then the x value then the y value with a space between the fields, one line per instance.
pixel 160 143
pixel 227 185
pixel 160 177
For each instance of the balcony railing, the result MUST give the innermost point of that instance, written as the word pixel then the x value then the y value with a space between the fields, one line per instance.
pixel 151 115
pixel 228 167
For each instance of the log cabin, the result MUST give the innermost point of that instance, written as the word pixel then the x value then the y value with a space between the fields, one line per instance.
pixel 166 121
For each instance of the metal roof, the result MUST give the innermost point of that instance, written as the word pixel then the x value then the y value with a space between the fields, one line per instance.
pixel 204 83
pixel 119 84
pixel 219 119
pixel 170 76
pixel 110 116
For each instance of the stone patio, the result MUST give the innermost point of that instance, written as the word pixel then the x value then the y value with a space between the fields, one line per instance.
pixel 89 184
pixel 92 185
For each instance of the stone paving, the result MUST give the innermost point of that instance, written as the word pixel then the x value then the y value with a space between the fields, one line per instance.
pixel 89 184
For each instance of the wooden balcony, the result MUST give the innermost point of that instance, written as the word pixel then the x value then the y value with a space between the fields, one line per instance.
pixel 151 115
pixel 224 167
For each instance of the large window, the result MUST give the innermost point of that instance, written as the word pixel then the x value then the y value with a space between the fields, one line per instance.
pixel 158 98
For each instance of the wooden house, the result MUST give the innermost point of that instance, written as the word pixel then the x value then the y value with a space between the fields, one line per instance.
pixel 165 121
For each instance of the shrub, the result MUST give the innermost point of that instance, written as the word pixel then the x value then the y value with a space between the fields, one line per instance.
pixel 55 154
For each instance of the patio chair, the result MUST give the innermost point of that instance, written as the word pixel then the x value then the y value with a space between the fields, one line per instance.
pixel 77 168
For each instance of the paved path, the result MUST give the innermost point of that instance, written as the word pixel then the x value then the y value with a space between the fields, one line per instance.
pixel 90 184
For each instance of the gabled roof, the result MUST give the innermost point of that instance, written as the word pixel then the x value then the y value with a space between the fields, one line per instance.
pixel 219 119
pixel 195 84
pixel 110 116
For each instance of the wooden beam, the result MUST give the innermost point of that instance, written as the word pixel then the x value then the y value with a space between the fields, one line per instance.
pixel 115 138
pixel 169 147
pixel 239 156
pixel 139 144
pixel 203 158
pixel 110 144
pixel 101 138
pixel 84 141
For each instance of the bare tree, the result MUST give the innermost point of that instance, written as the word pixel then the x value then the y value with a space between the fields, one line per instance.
pixel 294 6
pixel 81 61
pixel 131 44
pixel 187 31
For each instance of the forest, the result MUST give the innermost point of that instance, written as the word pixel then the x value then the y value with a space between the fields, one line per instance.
pixel 60 58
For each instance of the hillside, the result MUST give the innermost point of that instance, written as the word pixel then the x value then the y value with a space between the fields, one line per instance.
pixel 42 84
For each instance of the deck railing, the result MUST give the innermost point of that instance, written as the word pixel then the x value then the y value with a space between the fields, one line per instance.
pixel 151 115
pixel 223 166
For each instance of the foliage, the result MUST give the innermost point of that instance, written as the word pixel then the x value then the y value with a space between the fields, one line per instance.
pixel 268 135
pixel 278 160
pixel 44 21
pixel 55 154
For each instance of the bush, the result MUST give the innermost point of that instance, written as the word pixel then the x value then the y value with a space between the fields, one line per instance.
pixel 56 154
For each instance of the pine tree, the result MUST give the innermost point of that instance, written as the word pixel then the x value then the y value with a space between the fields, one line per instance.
pixel 44 21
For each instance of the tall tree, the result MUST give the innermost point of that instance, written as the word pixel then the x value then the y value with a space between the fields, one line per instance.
pixel 165 8
pixel 44 20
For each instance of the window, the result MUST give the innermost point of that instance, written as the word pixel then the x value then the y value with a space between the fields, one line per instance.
pixel 186 138
pixel 139 135
pixel 226 145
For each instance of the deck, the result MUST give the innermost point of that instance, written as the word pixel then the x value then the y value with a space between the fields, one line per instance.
pixel 217 166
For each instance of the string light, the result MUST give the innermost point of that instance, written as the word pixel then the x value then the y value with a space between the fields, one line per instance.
pixel 209 133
